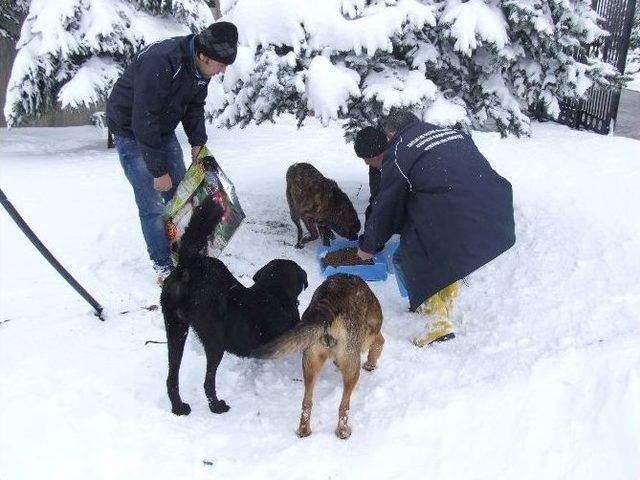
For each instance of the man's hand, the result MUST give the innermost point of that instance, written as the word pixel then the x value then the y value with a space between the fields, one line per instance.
pixel 364 255
pixel 195 151
pixel 163 183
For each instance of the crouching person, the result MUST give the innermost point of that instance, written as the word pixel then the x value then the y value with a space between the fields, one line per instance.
pixel 453 212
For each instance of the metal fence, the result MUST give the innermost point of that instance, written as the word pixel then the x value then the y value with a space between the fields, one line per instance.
pixel 600 111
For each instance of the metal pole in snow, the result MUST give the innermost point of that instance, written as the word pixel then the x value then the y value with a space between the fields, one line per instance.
pixel 15 216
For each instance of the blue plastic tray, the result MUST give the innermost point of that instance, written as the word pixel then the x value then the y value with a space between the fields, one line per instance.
pixel 390 249
pixel 370 273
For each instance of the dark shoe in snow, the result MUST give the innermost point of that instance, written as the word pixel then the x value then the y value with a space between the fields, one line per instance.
pixel 429 340
pixel 444 338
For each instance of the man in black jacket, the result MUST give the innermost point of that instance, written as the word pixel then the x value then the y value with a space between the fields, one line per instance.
pixel 164 85
pixel 454 213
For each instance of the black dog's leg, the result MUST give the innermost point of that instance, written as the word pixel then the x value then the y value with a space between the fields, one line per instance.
pixel 214 355
pixel 177 331
pixel 296 220
pixel 326 234
pixel 312 226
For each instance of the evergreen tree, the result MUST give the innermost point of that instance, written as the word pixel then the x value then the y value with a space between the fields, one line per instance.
pixel 465 64
pixel 72 51
pixel 11 12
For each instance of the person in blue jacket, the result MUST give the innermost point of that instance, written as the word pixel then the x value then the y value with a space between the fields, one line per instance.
pixel 164 85
pixel 453 212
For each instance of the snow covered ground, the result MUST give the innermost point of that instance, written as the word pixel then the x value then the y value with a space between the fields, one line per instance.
pixel 542 381
pixel 634 84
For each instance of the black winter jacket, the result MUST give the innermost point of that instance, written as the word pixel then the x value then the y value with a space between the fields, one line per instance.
pixel 158 90
pixel 453 211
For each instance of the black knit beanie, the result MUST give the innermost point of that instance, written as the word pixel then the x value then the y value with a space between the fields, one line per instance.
pixel 219 42
pixel 370 142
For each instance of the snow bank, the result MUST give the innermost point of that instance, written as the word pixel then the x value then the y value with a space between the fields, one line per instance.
pixel 542 380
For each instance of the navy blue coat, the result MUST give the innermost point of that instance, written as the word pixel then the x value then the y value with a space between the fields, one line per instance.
pixel 453 211
pixel 158 90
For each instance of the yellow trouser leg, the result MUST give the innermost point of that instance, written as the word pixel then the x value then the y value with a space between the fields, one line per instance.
pixel 437 309
pixel 448 295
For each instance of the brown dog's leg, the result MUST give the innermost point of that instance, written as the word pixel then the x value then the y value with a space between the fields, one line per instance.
pixel 326 234
pixel 374 352
pixel 350 369
pixel 312 361
pixel 295 218
pixel 312 226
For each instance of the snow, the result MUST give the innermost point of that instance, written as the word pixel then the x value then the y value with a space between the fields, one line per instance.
pixel 542 380
pixel 148 29
pixel 474 22
pixel 328 88
pixel 101 21
pixel 318 25
pixel 576 75
pixel 399 88
pixel 445 113
pixel 94 77
pixel 425 53
pixel 66 39
pixel 634 84
pixel 508 105
pixel 240 69
pixel 326 82
pixel 47 22
pixel 587 22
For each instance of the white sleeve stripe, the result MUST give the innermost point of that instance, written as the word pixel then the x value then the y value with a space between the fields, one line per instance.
pixel 395 159
pixel 146 49
pixel 438 137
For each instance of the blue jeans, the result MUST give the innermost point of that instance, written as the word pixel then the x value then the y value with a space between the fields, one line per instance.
pixel 150 202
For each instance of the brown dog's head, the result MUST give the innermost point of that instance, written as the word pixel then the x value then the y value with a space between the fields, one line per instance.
pixel 282 275
pixel 344 220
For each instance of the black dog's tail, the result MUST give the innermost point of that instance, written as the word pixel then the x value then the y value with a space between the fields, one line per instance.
pixel 312 328
pixel 204 220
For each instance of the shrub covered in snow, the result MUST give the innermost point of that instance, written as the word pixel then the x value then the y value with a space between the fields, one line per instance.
pixel 465 63
pixel 72 51
pixel 11 12
pixel 451 62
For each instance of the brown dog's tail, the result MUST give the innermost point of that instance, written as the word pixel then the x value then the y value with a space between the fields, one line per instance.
pixel 204 220
pixel 312 328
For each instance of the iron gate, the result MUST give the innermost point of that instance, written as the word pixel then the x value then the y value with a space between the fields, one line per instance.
pixel 599 112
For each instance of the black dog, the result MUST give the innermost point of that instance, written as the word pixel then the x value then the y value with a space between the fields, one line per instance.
pixel 226 316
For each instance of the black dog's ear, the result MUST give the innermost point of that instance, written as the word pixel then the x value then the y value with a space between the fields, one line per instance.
pixel 258 274
pixel 303 278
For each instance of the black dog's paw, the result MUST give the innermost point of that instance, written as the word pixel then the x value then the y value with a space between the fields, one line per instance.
pixel 219 407
pixel 181 409
pixel 299 245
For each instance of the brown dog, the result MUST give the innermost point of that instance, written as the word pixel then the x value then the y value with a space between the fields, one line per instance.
pixel 342 321
pixel 320 204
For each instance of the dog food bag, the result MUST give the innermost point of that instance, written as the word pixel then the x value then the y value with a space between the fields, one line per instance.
pixel 203 179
